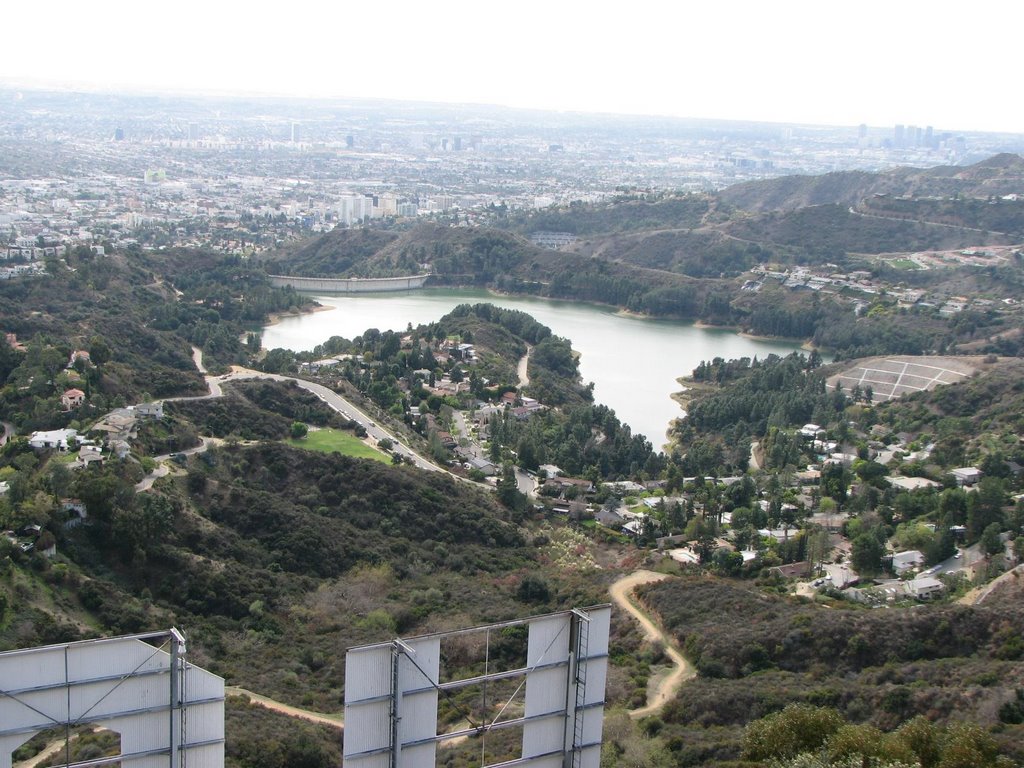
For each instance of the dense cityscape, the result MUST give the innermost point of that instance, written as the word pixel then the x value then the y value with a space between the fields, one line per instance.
pixel 240 177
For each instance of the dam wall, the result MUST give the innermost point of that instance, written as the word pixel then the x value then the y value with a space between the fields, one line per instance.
pixel 348 284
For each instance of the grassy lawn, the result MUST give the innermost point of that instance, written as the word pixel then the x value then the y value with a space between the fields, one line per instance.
pixel 904 264
pixel 331 440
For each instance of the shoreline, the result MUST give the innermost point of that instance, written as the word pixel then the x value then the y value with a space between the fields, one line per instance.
pixel 276 317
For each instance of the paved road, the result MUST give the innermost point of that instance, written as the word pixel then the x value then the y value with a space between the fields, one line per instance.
pixel 342 406
pixel 162 469
pixel 969 556
pixel 524 362
pixel 525 482
pixel 328 396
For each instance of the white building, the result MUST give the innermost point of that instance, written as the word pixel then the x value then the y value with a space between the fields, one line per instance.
pixel 59 439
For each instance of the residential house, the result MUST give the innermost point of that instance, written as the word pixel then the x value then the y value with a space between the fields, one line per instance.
pixel 792 570
pixel 623 487
pixel 72 398
pixel 967 476
pixel 559 485
pixel 57 439
pixel 925 587
pixel 609 518
pixel 88 454
pixel 483 465
pixel 906 561
pixel 912 483
pixel 153 410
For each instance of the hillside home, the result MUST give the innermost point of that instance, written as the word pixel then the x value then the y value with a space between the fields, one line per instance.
pixel 559 485
pixel 967 476
pixel 907 561
pixel 79 354
pixel 792 570
pixel 72 398
pixel 925 588
pixel 154 410
pixel 482 465
pixel 57 439
pixel 912 483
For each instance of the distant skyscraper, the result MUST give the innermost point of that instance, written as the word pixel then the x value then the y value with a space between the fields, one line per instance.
pixel 898 135
pixel 862 131
pixel 350 141
pixel 119 134
pixel 929 138
pixel 295 132
pixel 193 132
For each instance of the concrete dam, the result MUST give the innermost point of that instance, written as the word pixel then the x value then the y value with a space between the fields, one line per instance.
pixel 348 284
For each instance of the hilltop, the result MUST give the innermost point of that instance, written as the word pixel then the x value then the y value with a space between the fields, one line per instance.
pixel 996 176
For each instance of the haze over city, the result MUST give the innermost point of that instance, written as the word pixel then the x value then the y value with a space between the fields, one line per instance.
pixel 799 62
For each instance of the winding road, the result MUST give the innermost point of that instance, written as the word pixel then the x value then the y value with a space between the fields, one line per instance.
pixel 331 398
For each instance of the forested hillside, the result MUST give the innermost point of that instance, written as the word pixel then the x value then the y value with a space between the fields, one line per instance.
pixel 756 653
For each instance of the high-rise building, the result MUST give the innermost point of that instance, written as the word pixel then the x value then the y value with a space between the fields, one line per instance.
pixel 899 136
pixel 295 133
pixel 193 132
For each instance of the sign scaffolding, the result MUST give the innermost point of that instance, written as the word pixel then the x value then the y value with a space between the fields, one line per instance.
pixel 166 711
pixel 392 692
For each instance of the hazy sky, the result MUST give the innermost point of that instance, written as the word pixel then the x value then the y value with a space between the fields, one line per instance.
pixel 953 65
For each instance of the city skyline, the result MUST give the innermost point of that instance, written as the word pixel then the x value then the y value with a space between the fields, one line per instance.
pixel 803 62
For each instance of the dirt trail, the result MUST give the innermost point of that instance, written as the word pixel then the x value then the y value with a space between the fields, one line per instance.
pixel 53 748
pixel 335 721
pixel 667 686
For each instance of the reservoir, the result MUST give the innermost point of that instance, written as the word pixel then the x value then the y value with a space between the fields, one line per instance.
pixel 633 362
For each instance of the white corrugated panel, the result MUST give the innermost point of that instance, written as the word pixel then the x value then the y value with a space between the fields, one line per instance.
pixel 591 757
pixel 600 624
pixel 543 736
pixel 201 685
pixel 367 673
pixel 593 719
pixel 210 756
pixel 422 756
pixel 554 761
pixel 137 679
pixel 372 761
pixel 549 640
pixel 205 722
pixel 545 691
pixel 140 733
pixel 88 661
pixel 420 669
pixel 8 744
pixel 419 717
pixel 21 713
pixel 597 673
pixel 367 727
